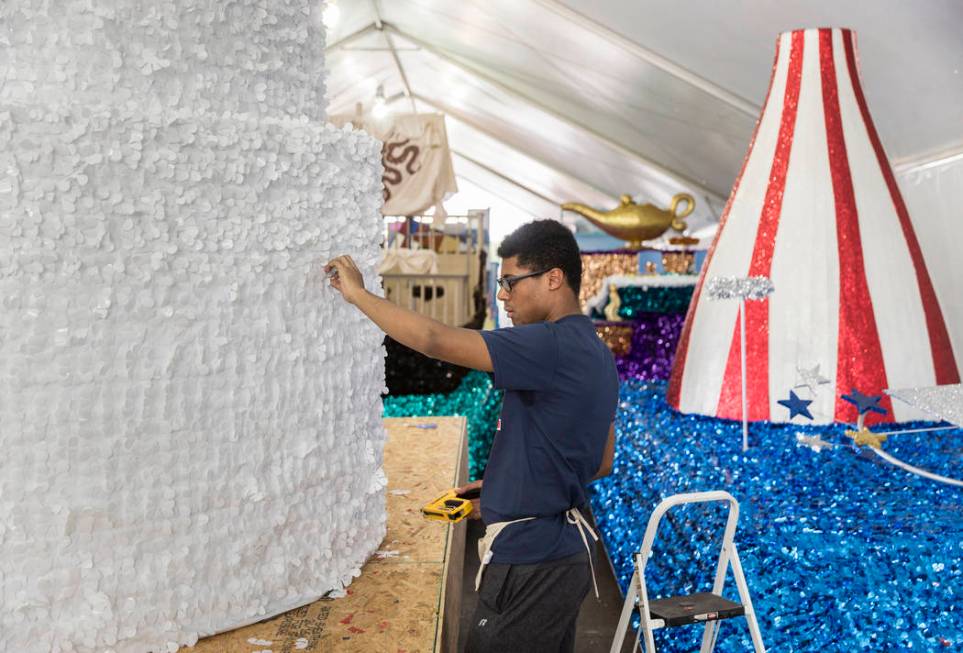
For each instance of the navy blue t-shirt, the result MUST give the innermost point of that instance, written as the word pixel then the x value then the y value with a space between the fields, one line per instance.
pixel 561 393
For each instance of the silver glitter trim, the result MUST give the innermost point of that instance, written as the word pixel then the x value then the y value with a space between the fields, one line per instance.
pixel 943 401
pixel 750 288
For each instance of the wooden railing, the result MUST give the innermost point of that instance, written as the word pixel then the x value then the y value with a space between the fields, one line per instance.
pixel 444 297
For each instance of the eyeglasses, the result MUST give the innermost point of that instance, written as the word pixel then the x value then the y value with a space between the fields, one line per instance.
pixel 506 283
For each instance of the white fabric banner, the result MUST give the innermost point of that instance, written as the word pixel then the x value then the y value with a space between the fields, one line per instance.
pixel 418 172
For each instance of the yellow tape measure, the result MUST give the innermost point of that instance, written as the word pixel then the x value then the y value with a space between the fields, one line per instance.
pixel 450 507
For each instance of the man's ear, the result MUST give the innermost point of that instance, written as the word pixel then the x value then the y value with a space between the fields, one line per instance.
pixel 556 278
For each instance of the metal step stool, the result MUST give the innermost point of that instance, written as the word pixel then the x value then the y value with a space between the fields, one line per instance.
pixel 704 607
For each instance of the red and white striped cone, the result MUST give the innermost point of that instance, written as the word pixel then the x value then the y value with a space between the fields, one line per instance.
pixel 815 208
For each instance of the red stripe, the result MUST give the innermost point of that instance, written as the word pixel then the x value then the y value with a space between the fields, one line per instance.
pixel 674 391
pixel 757 312
pixel 944 362
pixel 730 394
pixel 859 359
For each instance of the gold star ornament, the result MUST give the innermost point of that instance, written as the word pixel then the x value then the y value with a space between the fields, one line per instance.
pixel 866 437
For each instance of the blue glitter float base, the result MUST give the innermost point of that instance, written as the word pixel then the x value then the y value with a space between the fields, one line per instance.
pixel 841 550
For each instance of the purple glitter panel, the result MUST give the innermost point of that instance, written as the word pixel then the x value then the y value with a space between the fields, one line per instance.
pixel 653 346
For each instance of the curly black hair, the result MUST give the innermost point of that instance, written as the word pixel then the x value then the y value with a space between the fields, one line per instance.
pixel 543 245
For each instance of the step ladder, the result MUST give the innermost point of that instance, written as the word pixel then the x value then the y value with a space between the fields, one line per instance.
pixel 702 608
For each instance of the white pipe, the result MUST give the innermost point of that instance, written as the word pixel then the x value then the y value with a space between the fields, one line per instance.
pixel 916 470
pixel 742 349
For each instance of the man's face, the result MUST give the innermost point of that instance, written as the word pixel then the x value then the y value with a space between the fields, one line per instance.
pixel 525 303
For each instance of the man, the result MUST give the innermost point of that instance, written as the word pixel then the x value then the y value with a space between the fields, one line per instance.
pixel 555 434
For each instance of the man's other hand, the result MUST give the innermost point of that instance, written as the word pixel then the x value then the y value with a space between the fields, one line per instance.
pixel 475 503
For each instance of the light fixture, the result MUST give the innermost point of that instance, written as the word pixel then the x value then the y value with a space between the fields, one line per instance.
pixel 380 107
pixel 331 14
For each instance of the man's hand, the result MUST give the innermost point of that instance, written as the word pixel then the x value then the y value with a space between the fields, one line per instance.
pixel 475 503
pixel 464 347
pixel 345 278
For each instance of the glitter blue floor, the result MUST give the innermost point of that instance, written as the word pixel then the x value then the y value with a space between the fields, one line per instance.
pixel 842 551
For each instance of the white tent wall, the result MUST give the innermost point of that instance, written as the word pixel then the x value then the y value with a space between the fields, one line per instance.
pixel 934 198
pixel 910 53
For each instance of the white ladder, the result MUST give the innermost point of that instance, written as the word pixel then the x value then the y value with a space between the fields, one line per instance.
pixel 707 608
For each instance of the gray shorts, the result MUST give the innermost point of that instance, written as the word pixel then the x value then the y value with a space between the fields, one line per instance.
pixel 529 608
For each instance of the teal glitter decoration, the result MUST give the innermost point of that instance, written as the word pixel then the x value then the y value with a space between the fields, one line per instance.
pixel 653 299
pixel 842 551
pixel 475 398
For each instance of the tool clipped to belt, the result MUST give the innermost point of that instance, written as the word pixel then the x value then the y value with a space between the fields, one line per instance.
pixel 451 506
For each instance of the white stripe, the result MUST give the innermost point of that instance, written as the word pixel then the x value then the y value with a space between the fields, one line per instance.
pixel 715 321
pixel 804 309
pixel 897 304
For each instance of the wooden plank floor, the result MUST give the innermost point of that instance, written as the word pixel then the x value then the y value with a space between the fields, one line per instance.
pixel 398 603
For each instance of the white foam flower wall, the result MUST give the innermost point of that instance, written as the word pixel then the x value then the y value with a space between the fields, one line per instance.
pixel 189 417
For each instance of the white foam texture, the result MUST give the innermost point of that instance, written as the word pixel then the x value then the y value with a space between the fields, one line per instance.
pixel 189 417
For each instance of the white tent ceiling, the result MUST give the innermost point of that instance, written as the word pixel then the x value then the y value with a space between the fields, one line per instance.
pixel 583 100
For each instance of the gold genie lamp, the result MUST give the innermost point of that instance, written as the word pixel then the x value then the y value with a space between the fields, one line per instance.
pixel 635 223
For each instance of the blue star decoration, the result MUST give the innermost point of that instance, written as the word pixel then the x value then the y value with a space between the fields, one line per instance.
pixel 865 403
pixel 796 405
